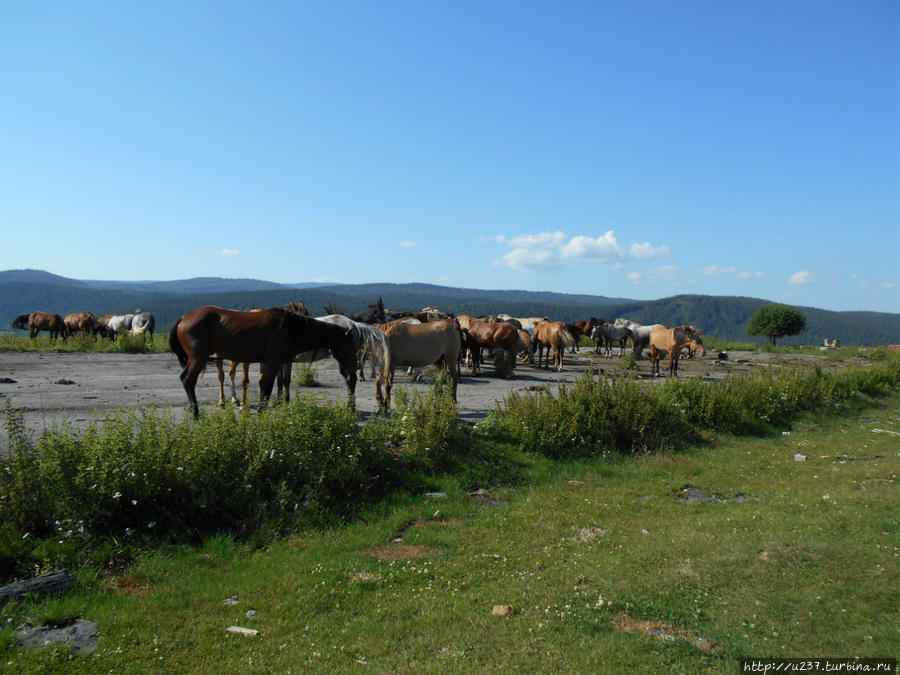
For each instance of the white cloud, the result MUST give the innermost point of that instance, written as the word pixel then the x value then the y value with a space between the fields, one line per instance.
pixel 888 285
pixel 647 251
pixel 664 273
pixel 800 278
pixel 596 249
pixel 548 249
pixel 525 259
pixel 715 271
pixel 228 251
pixel 406 244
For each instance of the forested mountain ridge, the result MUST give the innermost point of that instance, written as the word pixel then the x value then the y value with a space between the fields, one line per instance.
pixel 24 291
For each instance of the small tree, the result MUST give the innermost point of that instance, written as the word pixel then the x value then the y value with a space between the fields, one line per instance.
pixel 775 321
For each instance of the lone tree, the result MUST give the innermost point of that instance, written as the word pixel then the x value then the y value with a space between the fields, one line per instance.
pixel 776 321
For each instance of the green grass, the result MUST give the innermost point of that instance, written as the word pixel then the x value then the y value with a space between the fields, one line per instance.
pixel 134 344
pixel 806 565
pixel 312 520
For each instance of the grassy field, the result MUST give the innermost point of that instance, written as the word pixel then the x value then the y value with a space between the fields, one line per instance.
pixel 605 563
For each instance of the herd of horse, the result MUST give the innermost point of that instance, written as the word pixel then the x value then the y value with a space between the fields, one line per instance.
pixel 85 323
pixel 277 337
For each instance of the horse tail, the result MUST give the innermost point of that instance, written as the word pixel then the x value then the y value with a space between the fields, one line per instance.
pixel 566 337
pixel 175 345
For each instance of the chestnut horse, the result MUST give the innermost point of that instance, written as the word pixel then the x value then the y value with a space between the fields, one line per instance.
pixel 83 322
pixel 671 340
pixel 419 345
pixel 270 337
pixel 502 335
pixel 552 335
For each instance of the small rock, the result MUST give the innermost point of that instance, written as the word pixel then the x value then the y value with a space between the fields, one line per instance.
pixel 800 458
pixel 436 495
pixel 644 532
pixel 233 600
pixel 79 635
pixel 246 632
pixel 503 610
pixel 251 613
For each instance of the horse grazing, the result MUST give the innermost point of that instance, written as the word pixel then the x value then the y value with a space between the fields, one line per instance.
pixel 608 333
pixel 671 340
pixel 115 324
pixel 419 345
pixel 499 335
pixel 695 346
pixel 552 335
pixel 38 321
pixel 270 337
pixel 80 322
pixel 143 323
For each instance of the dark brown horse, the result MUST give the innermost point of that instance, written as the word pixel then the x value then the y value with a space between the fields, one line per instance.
pixel 83 322
pixel 270 337
pixel 38 321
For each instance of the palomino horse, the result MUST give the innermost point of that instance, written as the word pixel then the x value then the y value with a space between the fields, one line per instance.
pixel 671 340
pixel 80 322
pixel 500 335
pixel 269 337
pixel 419 345
pixel 552 335
pixel 608 333
pixel 143 323
pixel 38 321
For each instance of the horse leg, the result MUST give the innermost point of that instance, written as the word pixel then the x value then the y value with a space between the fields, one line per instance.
pixel 220 371
pixel 245 383
pixel 189 377
pixel 267 373
pixel 284 380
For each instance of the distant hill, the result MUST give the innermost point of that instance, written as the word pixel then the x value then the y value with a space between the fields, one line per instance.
pixel 23 291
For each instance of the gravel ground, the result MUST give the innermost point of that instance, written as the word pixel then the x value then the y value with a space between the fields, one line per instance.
pixel 82 387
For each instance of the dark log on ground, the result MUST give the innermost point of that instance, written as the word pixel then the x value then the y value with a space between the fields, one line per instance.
pixel 54 582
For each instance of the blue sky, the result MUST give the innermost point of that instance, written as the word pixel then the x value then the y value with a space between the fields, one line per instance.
pixel 625 149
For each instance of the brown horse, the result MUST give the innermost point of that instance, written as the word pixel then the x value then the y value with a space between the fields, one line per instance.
pixel 293 307
pixel 671 340
pixel 270 337
pixel 552 335
pixel 52 323
pixel 500 335
pixel 418 345
pixel 83 322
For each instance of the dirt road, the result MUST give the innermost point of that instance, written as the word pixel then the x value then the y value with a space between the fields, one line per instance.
pixel 82 387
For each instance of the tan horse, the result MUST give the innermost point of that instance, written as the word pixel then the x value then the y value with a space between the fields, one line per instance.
pixel 552 335
pixel 418 345
pixel 670 340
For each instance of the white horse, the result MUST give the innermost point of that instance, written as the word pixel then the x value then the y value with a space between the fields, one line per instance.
pixel 120 323
pixel 371 344
pixel 607 333
pixel 640 335
pixel 143 323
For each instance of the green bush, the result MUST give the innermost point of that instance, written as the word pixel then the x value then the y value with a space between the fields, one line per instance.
pixel 594 418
